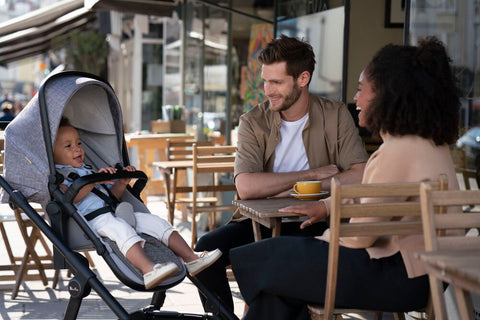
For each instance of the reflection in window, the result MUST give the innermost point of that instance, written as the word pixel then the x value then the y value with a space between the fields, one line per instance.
pixel 324 31
pixel 456 24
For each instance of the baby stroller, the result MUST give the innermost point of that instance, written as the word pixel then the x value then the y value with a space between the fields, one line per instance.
pixel 30 176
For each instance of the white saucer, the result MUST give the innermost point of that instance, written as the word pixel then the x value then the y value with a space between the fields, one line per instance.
pixel 310 196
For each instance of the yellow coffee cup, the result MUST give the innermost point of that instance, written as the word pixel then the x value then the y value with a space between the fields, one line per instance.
pixel 308 187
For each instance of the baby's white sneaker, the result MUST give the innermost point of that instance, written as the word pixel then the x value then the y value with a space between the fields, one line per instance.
pixel 160 272
pixel 205 260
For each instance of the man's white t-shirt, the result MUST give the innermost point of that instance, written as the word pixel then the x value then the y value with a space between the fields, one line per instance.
pixel 290 153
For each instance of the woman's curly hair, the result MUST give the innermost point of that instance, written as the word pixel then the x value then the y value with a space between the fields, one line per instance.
pixel 415 92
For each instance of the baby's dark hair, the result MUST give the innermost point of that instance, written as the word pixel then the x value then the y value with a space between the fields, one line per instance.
pixel 64 122
pixel 415 92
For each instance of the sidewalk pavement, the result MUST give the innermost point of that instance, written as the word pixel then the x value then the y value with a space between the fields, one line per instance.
pixel 36 301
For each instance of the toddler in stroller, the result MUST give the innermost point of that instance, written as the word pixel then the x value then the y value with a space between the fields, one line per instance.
pixel 97 205
pixel 94 111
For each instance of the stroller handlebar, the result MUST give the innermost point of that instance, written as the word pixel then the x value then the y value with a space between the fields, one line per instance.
pixel 80 182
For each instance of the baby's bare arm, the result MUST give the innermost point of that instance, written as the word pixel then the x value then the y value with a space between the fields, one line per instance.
pixel 120 185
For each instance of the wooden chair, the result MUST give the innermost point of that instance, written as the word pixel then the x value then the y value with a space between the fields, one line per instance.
pixel 20 266
pixel 372 143
pixel 152 148
pixel 31 260
pixel 390 224
pixel 209 160
pixel 179 151
pixel 459 157
pixel 441 231
pixel 465 176
pixel 183 150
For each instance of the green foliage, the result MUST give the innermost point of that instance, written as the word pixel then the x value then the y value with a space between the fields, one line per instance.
pixel 85 50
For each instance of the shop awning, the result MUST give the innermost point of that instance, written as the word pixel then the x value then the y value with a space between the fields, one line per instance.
pixel 31 33
pixel 147 7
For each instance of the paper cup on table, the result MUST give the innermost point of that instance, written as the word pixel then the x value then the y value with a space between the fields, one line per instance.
pixel 308 187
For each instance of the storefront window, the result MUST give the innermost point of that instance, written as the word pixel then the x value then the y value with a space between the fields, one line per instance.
pixel 216 57
pixel 456 24
pixel 325 32
pixel 289 9
pixel 152 83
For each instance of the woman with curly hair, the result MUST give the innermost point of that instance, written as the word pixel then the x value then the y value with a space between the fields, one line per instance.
pixel 408 95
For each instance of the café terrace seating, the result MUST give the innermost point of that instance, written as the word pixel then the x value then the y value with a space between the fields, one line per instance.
pixel 340 226
pixel 209 160
pixel 180 151
pixel 442 238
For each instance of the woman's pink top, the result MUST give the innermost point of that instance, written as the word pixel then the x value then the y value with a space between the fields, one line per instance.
pixel 402 159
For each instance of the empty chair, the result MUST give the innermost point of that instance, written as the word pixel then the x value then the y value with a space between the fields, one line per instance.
pixel 180 151
pixel 209 160
pixel 447 231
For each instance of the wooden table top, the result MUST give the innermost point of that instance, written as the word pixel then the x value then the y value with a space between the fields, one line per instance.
pixel 171 164
pixel 204 167
pixel 268 208
pixel 461 264
pixel 134 136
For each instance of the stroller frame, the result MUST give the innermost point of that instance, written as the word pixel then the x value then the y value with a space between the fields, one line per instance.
pixel 61 208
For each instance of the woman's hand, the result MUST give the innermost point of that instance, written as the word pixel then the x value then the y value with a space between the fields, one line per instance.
pixel 316 212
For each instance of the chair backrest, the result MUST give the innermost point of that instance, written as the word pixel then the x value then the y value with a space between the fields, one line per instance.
pixel 447 227
pixel 458 157
pixel 212 159
pixel 150 148
pixel 465 175
pixel 183 150
pixel 397 211
pixel 441 212
pixel 467 178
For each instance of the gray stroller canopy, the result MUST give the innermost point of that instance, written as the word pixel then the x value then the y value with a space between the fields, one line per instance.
pixel 91 106
pixel 93 109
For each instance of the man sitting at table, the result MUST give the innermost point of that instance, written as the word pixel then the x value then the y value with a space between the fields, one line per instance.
pixel 293 136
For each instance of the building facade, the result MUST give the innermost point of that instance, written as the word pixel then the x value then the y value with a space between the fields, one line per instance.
pixel 196 60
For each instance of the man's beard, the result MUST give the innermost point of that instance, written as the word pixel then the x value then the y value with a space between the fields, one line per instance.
pixel 291 98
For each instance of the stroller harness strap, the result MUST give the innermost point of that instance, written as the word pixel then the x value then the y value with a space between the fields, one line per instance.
pixel 109 200
pixel 92 215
